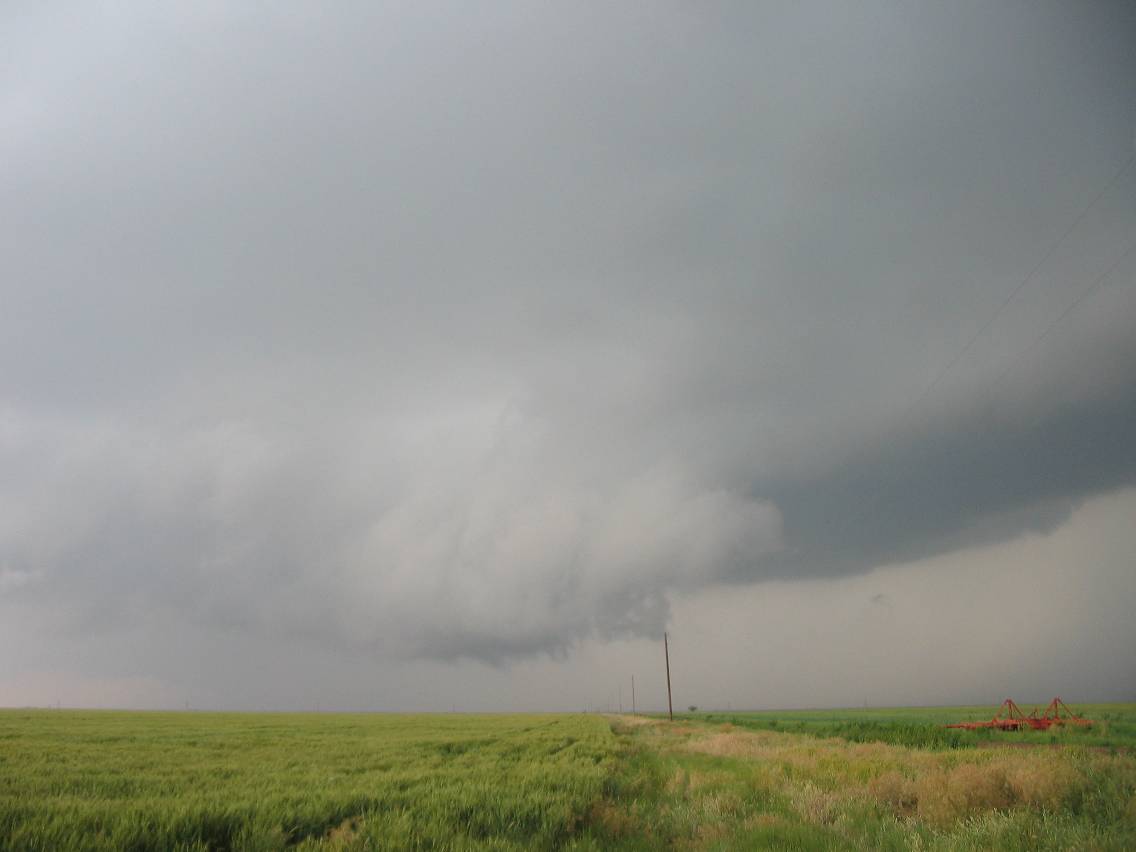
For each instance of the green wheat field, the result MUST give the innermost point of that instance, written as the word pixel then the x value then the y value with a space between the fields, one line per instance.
pixel 854 779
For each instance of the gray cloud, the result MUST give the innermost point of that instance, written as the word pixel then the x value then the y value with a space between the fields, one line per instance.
pixel 988 478
pixel 478 336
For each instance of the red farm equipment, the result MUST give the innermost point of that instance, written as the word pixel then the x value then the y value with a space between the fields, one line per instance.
pixel 1008 718
pixel 1057 713
pixel 1011 718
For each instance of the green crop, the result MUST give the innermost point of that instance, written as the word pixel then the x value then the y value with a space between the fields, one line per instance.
pixel 94 780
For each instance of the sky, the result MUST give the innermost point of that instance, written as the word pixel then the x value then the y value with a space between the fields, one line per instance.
pixel 437 357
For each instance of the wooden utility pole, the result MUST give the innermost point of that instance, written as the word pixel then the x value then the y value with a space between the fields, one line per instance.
pixel 667 654
pixel 632 695
pixel 621 699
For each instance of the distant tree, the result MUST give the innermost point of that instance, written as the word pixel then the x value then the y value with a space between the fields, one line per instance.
pixel 692 707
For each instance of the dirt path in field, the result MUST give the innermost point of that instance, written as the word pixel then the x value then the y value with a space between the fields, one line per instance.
pixel 634 721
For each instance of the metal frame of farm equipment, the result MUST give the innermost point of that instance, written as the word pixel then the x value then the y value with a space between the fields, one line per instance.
pixel 1011 718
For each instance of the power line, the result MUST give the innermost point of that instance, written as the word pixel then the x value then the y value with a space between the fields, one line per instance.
pixel 1021 284
pixel 1081 297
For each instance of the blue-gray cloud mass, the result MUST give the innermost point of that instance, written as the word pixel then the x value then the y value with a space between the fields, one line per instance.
pixel 437 333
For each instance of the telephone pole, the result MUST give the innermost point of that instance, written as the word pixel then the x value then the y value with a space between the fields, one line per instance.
pixel 632 695
pixel 667 654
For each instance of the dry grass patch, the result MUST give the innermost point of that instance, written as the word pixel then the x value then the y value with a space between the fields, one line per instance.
pixel 757 821
pixel 678 784
pixel 820 776
pixel 700 779
pixel 344 834
pixel 896 791
pixel 635 721
pixel 945 796
pixel 737 743
pixel 815 805
pixel 614 821
pixel 721 806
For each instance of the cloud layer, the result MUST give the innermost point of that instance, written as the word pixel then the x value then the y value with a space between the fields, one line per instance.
pixel 479 336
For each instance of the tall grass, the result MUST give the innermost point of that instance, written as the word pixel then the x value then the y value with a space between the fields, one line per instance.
pixel 923 727
pixel 190 781
pixel 701 785
pixel 156 781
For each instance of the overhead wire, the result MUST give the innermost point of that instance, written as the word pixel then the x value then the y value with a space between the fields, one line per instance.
pixel 1081 297
pixel 1113 181
pixel 873 504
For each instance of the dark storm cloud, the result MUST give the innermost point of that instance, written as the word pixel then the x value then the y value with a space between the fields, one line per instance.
pixel 478 333
pixel 984 481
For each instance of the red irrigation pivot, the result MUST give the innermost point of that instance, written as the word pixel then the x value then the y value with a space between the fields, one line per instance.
pixel 1010 718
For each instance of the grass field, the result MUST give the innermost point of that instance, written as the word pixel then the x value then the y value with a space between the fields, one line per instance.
pixel 922 727
pixel 111 780
pixel 268 781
